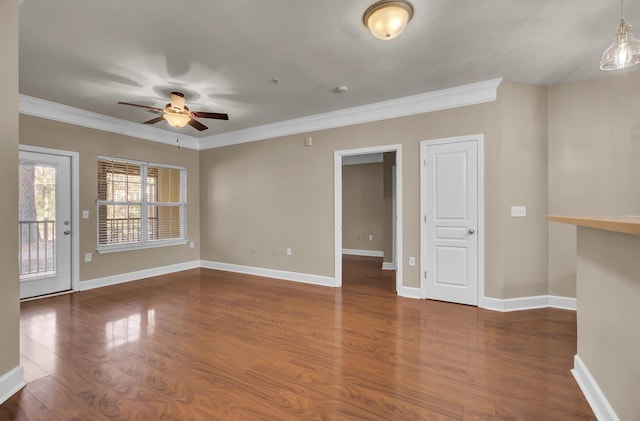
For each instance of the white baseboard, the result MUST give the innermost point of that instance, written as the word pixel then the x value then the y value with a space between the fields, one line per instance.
pixel 410 292
pixel 516 304
pixel 388 266
pixel 164 270
pixel 134 276
pixel 11 382
pixel 509 304
pixel 565 303
pixel 305 278
pixel 367 253
pixel 596 399
pixel 528 303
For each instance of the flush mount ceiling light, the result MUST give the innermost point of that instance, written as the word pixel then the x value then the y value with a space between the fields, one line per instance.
pixel 387 19
pixel 624 51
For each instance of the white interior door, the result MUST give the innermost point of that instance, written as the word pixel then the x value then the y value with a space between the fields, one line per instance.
pixel 44 226
pixel 450 197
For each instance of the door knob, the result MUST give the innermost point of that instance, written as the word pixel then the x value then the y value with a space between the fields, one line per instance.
pixel 471 231
pixel 67 232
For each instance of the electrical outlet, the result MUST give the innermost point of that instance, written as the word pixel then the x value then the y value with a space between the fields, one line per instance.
pixel 88 257
pixel 412 261
pixel 370 237
pixel 85 214
pixel 192 244
pixel 288 251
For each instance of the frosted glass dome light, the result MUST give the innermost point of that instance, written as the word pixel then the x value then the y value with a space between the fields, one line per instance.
pixel 387 19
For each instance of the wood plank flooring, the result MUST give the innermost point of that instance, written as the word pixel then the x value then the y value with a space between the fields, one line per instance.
pixel 210 345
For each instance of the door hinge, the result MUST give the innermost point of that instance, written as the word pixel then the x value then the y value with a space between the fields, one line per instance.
pixel 425 274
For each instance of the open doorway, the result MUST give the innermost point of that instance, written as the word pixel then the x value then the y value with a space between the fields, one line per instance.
pixel 367 220
pixel 357 234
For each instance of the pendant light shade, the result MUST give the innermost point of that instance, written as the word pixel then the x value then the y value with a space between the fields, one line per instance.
pixel 624 51
pixel 387 19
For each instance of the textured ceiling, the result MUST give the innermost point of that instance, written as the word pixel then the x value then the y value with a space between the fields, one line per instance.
pixel 224 54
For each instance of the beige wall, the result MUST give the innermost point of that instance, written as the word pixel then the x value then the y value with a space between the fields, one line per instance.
pixel 9 287
pixel 261 197
pixel 609 315
pixel 278 193
pixel 594 147
pixel 363 207
pixel 524 182
pixel 92 143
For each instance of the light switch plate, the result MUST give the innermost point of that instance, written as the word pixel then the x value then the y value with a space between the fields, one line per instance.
pixel 518 211
pixel 85 214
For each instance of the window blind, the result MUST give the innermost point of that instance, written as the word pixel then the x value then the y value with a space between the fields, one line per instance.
pixel 139 203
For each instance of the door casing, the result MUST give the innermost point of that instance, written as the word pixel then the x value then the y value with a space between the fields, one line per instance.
pixel 337 177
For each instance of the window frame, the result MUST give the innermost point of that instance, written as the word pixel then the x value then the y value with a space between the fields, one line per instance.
pixel 145 203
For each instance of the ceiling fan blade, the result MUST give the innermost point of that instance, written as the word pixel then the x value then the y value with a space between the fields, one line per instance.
pixel 154 120
pixel 197 125
pixel 218 116
pixel 141 106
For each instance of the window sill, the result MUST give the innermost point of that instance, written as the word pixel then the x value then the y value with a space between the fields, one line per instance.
pixel 138 246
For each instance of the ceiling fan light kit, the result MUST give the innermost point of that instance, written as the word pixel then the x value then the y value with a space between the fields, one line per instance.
pixel 176 112
pixel 177 120
pixel 387 19
pixel 624 51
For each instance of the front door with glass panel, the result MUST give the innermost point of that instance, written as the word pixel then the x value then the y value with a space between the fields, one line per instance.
pixel 44 224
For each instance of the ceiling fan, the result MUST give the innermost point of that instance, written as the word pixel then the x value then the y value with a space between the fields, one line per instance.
pixel 178 114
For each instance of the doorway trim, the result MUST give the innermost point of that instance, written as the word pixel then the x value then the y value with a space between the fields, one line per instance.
pixel 479 139
pixel 75 200
pixel 337 178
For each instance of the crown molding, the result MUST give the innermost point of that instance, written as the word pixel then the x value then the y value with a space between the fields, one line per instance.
pixel 58 112
pixel 460 96
pixel 476 93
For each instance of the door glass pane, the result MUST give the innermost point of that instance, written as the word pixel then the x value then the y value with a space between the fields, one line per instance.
pixel 36 219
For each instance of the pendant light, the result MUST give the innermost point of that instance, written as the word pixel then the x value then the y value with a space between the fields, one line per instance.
pixel 624 51
pixel 387 19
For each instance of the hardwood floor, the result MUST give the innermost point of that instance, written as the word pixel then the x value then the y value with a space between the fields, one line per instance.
pixel 203 344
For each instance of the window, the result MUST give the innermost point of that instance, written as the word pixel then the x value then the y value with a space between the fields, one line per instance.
pixel 140 204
